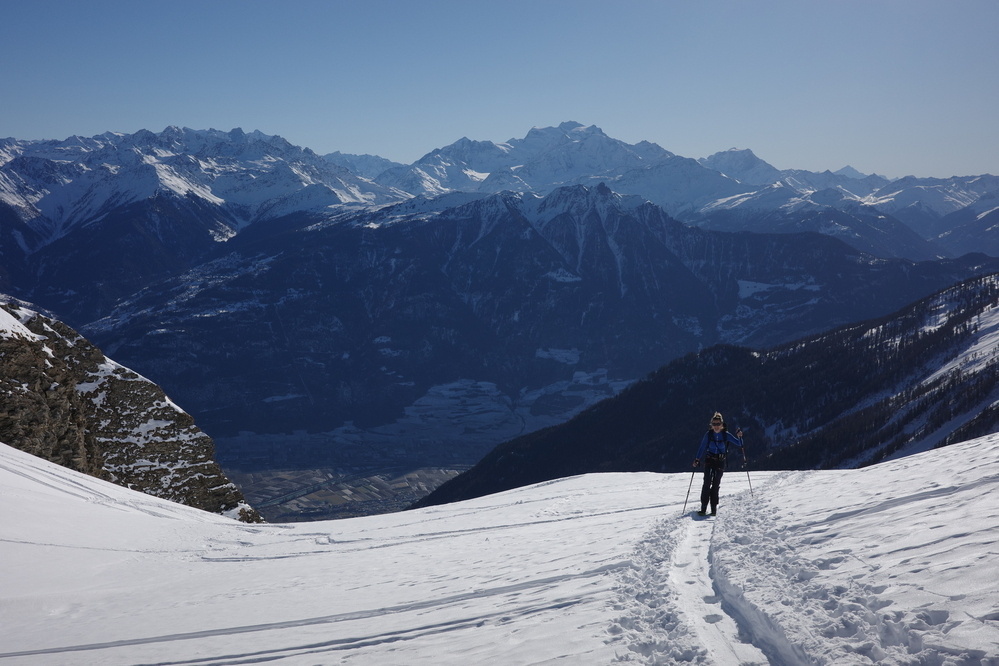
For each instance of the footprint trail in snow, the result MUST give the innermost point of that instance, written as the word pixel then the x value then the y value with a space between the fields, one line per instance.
pixel 691 576
pixel 675 613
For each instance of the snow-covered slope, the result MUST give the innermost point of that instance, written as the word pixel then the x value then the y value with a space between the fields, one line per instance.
pixel 367 166
pixel 928 205
pixel 784 200
pixel 941 195
pixel 893 564
pixel 789 206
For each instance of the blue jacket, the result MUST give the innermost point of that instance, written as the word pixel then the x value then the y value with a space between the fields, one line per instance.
pixel 717 442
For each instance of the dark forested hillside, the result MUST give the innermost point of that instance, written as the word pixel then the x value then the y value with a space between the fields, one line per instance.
pixel 925 376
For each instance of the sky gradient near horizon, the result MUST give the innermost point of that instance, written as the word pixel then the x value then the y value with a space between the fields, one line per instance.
pixel 894 87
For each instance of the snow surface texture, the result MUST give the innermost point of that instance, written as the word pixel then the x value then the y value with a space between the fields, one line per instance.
pixel 893 564
pixel 11 326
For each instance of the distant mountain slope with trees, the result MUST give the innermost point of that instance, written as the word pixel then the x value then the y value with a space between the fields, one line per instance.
pixel 925 376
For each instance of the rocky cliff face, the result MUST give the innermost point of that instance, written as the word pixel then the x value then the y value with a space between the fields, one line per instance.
pixel 64 401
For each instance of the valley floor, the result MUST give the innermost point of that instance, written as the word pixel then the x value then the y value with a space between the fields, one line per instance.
pixel 893 564
pixel 288 496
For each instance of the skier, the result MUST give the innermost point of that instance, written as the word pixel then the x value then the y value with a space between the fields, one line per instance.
pixel 715 445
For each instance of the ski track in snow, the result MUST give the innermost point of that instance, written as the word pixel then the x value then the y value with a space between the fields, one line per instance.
pixel 891 565
pixel 736 589
pixel 693 575
pixel 680 613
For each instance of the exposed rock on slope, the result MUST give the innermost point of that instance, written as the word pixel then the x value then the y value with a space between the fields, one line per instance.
pixel 64 401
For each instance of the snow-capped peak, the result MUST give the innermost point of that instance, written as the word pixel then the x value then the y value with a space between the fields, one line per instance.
pixel 742 165
pixel 57 185
pixel 546 158
pixel 850 172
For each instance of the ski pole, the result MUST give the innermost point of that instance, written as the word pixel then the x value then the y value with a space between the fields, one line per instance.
pixel 751 493
pixel 688 493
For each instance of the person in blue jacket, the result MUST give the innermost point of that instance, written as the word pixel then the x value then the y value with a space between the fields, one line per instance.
pixel 713 451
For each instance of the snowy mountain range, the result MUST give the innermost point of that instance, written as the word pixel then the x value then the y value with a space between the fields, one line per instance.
pixel 117 210
pixel 733 184
pixel 56 185
pixel 892 564
pixel 53 186
pixel 308 315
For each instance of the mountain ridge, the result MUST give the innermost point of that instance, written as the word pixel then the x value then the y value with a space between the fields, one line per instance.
pixel 545 159
pixel 366 315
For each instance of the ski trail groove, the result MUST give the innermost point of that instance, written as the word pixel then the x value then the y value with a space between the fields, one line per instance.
pixel 417 606
pixel 692 576
pixel 673 612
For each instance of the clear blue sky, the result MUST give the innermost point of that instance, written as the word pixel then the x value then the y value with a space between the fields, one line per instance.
pixel 894 87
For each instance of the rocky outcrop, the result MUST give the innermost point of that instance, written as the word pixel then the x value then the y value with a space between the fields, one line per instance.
pixel 64 401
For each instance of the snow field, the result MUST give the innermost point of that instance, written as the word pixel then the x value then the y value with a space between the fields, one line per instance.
pixel 519 578
pixel 893 564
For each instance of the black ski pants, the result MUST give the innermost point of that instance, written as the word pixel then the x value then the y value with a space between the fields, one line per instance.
pixel 713 470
